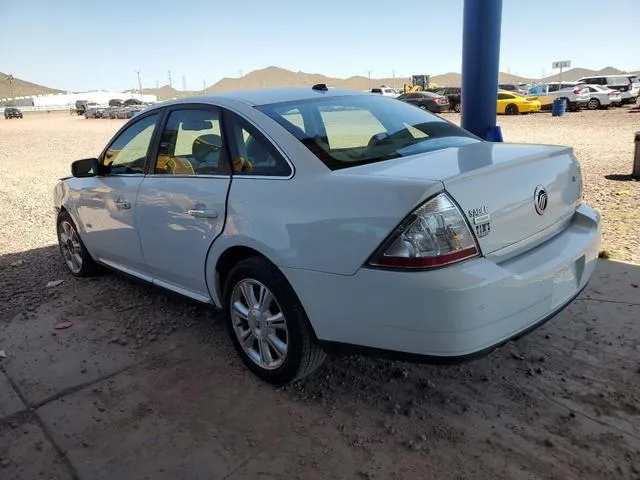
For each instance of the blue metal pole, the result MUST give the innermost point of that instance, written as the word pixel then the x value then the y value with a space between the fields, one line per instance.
pixel 480 65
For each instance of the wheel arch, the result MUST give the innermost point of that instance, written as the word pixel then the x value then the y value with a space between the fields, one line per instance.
pixel 223 255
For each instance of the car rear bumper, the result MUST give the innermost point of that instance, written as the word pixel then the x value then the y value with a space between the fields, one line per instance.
pixel 456 311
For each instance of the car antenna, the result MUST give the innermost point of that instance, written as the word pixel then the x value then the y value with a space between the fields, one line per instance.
pixel 320 87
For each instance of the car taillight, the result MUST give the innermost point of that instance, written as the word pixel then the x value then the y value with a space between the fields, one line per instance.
pixel 433 235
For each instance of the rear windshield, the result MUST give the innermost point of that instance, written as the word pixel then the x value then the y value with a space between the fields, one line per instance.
pixel 618 81
pixel 358 129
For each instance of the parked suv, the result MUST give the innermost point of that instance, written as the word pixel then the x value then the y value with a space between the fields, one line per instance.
pixel 517 88
pixel 385 92
pixel 628 85
pixel 576 95
pixel 12 112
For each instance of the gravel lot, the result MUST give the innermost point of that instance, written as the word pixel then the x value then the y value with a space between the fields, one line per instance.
pixel 562 403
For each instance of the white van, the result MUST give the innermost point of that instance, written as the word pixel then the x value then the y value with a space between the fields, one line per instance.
pixel 627 84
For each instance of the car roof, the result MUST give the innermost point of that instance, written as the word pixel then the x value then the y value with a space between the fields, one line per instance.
pixel 266 96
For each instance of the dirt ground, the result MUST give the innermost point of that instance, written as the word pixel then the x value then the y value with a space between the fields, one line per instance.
pixel 145 384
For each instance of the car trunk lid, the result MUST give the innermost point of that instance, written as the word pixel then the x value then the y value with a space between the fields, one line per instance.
pixel 509 192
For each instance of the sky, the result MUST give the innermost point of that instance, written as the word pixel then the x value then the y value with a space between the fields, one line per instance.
pixel 96 44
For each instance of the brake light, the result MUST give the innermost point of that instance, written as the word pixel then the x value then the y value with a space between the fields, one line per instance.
pixel 433 235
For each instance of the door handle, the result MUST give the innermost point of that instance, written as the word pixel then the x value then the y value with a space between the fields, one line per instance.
pixel 203 213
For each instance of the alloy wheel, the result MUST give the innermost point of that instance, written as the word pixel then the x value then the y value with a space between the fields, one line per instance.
pixel 70 246
pixel 259 324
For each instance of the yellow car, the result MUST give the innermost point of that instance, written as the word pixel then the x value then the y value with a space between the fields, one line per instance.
pixel 510 103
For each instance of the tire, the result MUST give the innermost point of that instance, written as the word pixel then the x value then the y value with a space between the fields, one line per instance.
pixel 593 104
pixel 511 109
pixel 571 107
pixel 243 287
pixel 457 108
pixel 81 264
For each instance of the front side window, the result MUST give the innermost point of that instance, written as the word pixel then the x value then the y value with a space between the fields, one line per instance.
pixel 127 154
pixel 191 144
pixel 344 131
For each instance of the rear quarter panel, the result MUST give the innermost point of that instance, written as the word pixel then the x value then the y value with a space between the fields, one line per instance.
pixel 330 222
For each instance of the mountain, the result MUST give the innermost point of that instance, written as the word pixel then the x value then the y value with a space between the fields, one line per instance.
pixel 281 77
pixel 454 79
pixel 21 87
pixel 576 73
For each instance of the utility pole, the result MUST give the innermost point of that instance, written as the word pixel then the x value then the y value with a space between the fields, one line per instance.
pixel 157 85
pixel 184 85
pixel 170 84
pixel 9 78
pixel 240 71
pixel 204 87
pixel 369 72
pixel 139 85
pixel 394 80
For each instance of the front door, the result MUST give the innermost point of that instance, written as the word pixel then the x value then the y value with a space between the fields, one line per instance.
pixel 181 202
pixel 106 207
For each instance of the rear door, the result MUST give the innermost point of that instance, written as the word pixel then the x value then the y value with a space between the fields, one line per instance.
pixel 182 200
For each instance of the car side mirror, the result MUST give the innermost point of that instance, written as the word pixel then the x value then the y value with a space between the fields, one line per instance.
pixel 87 167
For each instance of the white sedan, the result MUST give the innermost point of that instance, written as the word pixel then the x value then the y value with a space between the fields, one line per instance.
pixel 602 97
pixel 326 220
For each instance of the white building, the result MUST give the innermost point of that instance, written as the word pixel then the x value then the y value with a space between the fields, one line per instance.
pixel 67 100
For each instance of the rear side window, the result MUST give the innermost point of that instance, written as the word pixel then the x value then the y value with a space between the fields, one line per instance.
pixel 344 131
pixel 251 152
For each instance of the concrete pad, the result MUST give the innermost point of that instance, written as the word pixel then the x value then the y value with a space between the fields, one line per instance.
pixel 190 416
pixel 25 454
pixel 130 427
pixel 10 402
pixel 615 281
pixel 43 361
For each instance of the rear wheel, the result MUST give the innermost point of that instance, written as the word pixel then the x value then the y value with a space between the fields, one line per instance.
pixel 457 108
pixel 512 109
pixel 267 324
pixel 74 253
pixel 593 104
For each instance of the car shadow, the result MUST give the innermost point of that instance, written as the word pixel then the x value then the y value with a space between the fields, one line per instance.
pixel 619 177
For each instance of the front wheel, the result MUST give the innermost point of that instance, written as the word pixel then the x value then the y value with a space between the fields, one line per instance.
pixel 593 104
pixel 74 253
pixel 267 324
